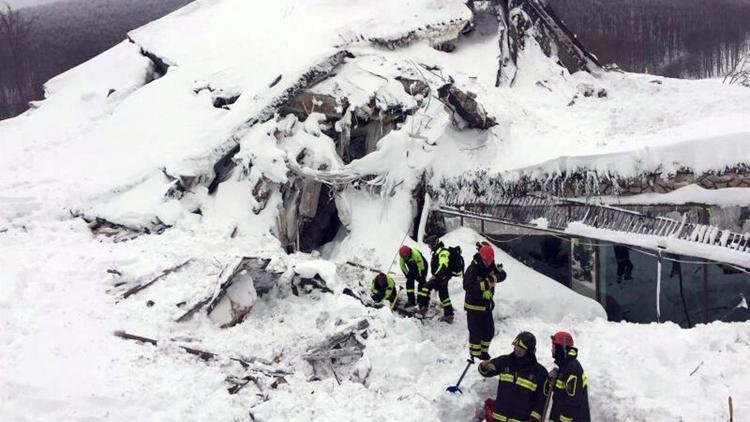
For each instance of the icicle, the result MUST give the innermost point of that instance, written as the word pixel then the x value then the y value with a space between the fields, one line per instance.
pixel 658 288
pixel 423 219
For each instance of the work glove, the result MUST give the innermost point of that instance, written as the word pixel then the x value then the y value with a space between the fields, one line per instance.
pixel 487 295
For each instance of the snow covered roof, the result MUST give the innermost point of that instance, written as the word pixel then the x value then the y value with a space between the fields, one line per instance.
pixel 138 134
pixel 120 131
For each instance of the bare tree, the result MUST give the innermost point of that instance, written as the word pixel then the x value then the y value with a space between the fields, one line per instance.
pixel 740 75
pixel 16 75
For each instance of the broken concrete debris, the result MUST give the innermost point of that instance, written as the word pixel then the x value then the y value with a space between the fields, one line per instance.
pixel 466 110
pixel 137 288
pixel 339 353
pixel 240 284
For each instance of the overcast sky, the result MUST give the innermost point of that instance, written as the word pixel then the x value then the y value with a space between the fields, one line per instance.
pixel 17 4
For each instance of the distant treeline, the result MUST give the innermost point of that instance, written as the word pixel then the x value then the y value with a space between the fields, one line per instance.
pixel 38 43
pixel 676 38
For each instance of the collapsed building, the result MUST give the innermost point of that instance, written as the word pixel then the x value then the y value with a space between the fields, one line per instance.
pixel 319 136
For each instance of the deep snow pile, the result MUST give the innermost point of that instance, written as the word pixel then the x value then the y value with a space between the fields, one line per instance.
pixel 61 362
pixel 114 135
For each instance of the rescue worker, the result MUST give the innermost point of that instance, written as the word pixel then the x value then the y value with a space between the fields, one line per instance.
pixel 479 283
pixel 442 269
pixel 383 287
pixel 523 383
pixel 570 397
pixel 414 267
pixel 624 265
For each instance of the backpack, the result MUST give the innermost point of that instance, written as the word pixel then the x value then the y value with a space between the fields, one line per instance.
pixel 455 261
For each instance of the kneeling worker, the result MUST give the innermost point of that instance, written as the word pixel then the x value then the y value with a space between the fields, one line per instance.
pixel 383 287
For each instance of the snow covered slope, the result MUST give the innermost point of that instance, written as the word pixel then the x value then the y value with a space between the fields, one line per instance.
pixel 133 137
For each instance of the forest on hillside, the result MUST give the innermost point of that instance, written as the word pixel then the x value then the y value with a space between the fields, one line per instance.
pixel 676 38
pixel 40 42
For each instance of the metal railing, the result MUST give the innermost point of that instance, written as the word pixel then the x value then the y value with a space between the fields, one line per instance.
pixel 528 210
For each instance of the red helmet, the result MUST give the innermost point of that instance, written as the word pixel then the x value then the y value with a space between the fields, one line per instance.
pixel 382 279
pixel 562 338
pixel 404 251
pixel 487 253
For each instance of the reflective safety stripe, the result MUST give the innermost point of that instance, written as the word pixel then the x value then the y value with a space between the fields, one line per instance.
pixel 520 343
pixel 565 419
pixel 423 292
pixel 570 385
pixel 481 286
pixel 523 382
pixel 560 384
pixel 474 346
pixel 470 307
pixel 505 377
pixel 446 303
pixel 585 379
pixel 502 418
pixel 486 343
pixel 410 291
pixel 536 415
pixel 475 352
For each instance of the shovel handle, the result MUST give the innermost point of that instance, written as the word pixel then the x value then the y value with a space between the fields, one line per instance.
pixel 454 388
pixel 395 299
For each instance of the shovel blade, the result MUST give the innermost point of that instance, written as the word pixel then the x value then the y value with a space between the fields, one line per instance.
pixel 453 389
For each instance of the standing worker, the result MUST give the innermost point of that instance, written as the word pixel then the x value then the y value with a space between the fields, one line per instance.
pixel 570 397
pixel 414 267
pixel 479 283
pixel 445 263
pixel 523 383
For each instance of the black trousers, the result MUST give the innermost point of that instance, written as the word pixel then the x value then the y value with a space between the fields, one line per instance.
pixel 624 269
pixel 442 288
pixel 410 292
pixel 481 331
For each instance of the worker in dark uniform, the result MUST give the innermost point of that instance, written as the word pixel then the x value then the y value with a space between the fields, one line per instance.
pixel 570 397
pixel 522 384
pixel 480 279
pixel 383 287
pixel 414 267
pixel 624 265
pixel 444 265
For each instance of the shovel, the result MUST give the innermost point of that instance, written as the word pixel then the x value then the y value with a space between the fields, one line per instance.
pixel 454 388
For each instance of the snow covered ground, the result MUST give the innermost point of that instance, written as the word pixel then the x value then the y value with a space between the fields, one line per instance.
pixel 60 360
pixel 104 142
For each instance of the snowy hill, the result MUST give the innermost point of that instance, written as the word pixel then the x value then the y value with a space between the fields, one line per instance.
pixel 203 138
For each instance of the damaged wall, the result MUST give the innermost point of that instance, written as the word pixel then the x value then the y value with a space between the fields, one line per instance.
pixel 520 20
pixel 589 183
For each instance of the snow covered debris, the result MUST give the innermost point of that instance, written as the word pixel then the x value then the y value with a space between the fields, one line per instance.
pixel 317 125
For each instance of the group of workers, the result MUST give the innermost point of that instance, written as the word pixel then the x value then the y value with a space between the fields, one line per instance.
pixel 525 386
